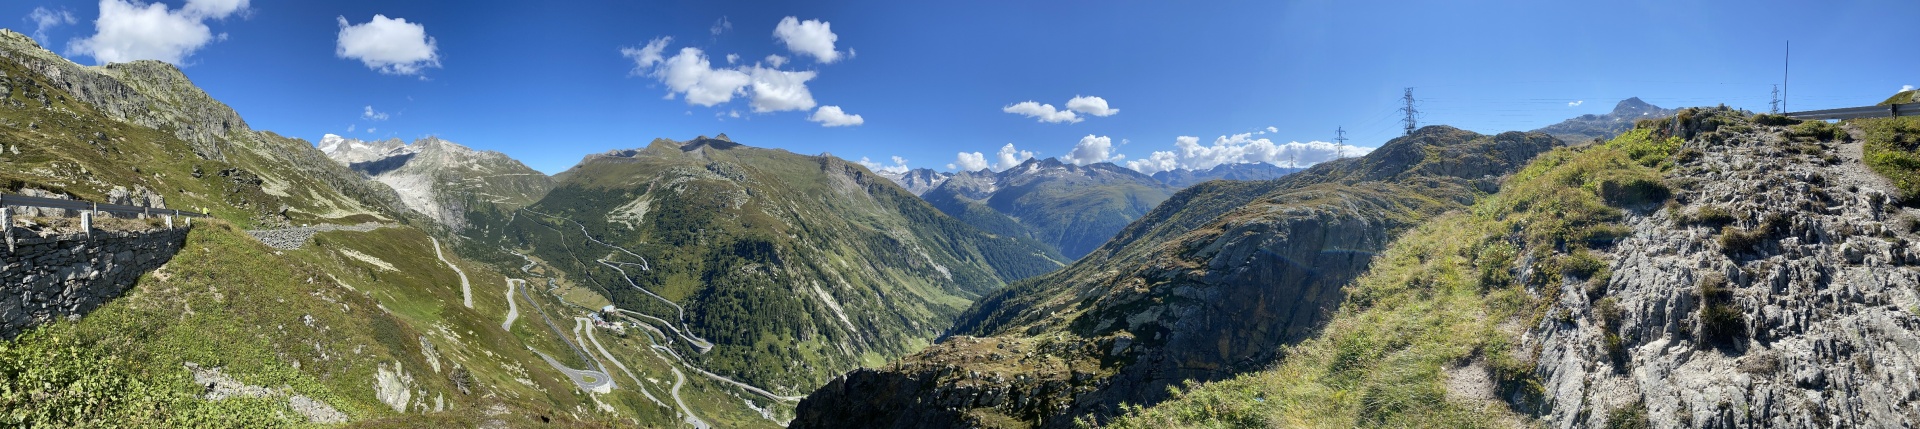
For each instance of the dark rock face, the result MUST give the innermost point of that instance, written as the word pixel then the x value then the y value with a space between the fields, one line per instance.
pixel 49 277
pixel 1207 286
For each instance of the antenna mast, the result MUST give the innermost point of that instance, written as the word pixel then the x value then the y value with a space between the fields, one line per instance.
pixel 1412 113
pixel 1786 70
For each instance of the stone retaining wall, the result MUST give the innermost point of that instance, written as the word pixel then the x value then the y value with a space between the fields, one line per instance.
pixel 46 277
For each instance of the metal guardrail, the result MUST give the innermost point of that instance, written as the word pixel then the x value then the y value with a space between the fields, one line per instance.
pixel 1890 111
pixel 52 203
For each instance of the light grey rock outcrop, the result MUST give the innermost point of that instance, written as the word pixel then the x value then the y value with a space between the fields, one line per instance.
pixel 1825 334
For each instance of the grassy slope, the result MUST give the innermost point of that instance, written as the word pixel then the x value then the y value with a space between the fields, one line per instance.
pixel 1442 295
pixel 230 302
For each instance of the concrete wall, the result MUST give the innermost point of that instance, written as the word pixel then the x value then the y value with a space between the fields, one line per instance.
pixel 46 277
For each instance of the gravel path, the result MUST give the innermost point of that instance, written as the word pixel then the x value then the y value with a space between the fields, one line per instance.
pixel 466 289
pixel 294 238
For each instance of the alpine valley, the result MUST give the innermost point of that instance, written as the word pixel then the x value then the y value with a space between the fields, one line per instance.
pixel 167 264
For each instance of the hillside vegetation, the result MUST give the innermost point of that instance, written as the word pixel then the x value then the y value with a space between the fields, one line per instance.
pixel 1745 274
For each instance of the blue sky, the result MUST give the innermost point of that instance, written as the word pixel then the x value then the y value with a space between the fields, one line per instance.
pixel 932 81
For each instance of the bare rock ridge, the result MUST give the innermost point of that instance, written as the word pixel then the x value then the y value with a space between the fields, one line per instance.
pixel 1207 285
pixel 149 93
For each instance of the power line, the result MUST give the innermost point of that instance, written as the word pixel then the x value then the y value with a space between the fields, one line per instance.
pixel 1412 113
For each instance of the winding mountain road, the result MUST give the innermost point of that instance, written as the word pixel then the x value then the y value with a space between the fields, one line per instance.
pixel 466 289
pixel 513 309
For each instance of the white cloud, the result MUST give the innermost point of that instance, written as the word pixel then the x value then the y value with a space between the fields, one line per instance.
pixel 1010 157
pixel 776 60
pixel 1092 149
pixel 1576 103
pixel 44 19
pixel 1044 112
pixel 371 130
pixel 832 116
pixel 214 8
pixel 388 45
pixel 899 165
pixel 1095 106
pixel 1241 148
pixel 127 31
pixel 645 57
pixel 1905 88
pixel 691 75
pixel 777 90
pixel 969 161
pixel 373 115
pixel 349 128
pixel 1273 129
pixel 720 26
pixel 810 37
pixel 733 58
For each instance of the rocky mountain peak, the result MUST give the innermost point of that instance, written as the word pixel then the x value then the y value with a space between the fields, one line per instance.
pixel 1635 107
pixel 1588 127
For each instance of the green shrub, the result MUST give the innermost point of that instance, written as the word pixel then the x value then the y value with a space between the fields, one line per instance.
pixel 1632 416
pixel 1721 321
pixel 1774 120
pixel 1633 191
pixel 1818 131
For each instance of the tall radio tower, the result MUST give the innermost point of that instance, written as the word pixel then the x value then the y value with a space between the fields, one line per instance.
pixel 1411 121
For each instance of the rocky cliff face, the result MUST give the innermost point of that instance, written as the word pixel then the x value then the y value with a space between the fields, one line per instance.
pixel 1208 285
pixel 149 93
pixel 1777 290
pixel 438 178
pixel 1073 208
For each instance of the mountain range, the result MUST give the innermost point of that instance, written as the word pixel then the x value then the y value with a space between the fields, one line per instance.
pixel 1699 267
pixel 1210 284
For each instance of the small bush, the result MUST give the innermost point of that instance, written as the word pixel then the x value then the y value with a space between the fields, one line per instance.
pixel 1633 192
pixel 1710 216
pixel 1818 131
pixel 1632 416
pixel 1774 120
pixel 1721 321
pixel 1581 264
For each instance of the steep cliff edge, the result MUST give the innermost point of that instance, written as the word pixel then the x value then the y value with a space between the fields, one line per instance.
pixel 1207 285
